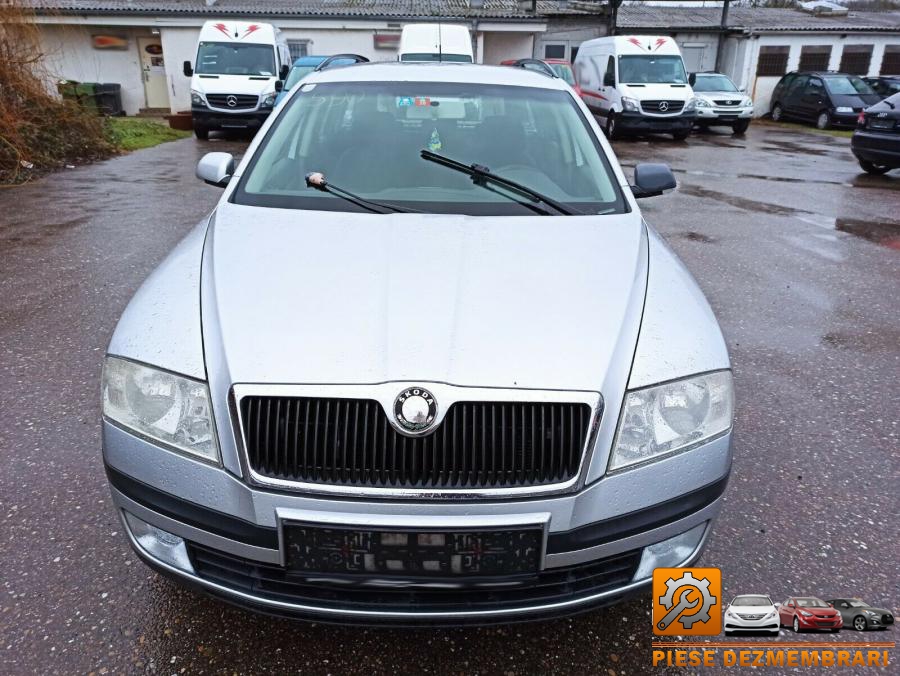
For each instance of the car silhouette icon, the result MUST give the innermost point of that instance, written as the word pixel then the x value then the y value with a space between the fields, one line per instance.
pixel 861 616
pixel 751 612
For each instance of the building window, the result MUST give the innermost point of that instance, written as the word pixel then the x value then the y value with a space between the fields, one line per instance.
pixel 815 57
pixel 890 64
pixel 856 59
pixel 298 48
pixel 772 60
pixel 554 51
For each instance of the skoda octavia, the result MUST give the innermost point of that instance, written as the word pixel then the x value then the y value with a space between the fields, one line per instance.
pixel 423 362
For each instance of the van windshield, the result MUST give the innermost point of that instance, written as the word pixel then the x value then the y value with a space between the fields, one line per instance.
pixel 456 58
pixel 651 69
pixel 367 138
pixel 225 58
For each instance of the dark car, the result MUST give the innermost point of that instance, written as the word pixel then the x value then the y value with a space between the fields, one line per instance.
pixel 861 616
pixel 805 613
pixel 876 141
pixel 828 99
pixel 884 85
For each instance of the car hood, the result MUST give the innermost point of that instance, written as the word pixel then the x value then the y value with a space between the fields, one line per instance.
pixel 328 297
pixel 854 100
pixel 731 96
pixel 657 90
pixel 821 612
pixel 233 84
pixel 752 610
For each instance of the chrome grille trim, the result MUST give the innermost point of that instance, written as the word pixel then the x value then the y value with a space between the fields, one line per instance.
pixel 446 395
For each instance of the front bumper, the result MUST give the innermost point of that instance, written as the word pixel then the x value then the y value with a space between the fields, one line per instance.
pixel 735 624
pixel 844 119
pixel 213 119
pixel 723 115
pixel 820 624
pixel 631 121
pixel 875 147
pixel 233 532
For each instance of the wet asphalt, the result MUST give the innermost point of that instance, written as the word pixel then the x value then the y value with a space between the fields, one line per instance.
pixel 797 250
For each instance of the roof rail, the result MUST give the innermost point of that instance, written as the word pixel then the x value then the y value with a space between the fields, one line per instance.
pixel 330 61
pixel 536 65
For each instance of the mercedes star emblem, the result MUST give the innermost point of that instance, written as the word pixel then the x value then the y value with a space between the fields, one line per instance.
pixel 663 106
pixel 415 409
pixel 231 100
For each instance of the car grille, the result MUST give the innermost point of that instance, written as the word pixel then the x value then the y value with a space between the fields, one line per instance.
pixel 826 623
pixel 727 102
pixel 749 617
pixel 350 442
pixel 241 101
pixel 350 592
pixel 663 106
pixel 887 618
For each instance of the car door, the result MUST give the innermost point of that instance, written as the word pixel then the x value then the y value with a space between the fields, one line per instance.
pixel 790 102
pixel 813 100
pixel 843 607
pixel 786 612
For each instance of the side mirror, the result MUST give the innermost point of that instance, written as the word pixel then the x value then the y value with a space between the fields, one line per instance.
pixel 279 85
pixel 283 73
pixel 216 169
pixel 692 79
pixel 778 605
pixel 609 80
pixel 651 180
pixel 188 70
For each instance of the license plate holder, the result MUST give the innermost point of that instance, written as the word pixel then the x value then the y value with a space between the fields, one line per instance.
pixel 407 552
pixel 881 124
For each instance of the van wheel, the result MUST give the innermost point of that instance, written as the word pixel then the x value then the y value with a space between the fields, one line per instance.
pixel 612 127
pixel 823 121
pixel 740 127
pixel 777 112
pixel 874 169
pixel 201 133
pixel 681 135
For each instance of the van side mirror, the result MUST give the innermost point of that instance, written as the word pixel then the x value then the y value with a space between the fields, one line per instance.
pixel 216 169
pixel 692 79
pixel 651 180
pixel 609 79
pixel 279 85
pixel 283 73
pixel 188 71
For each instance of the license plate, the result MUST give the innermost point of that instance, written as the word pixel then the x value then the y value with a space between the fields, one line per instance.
pixel 432 553
pixel 881 124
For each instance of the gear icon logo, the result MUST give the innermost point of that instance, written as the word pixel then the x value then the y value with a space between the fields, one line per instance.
pixel 687 601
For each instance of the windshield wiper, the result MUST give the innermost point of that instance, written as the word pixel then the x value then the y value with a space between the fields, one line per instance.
pixel 482 175
pixel 317 180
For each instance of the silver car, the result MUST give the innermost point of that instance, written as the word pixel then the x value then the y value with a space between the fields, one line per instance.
pixel 424 362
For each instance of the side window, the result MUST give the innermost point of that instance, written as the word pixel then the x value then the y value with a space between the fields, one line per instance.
pixel 815 89
pixel 609 78
pixel 797 85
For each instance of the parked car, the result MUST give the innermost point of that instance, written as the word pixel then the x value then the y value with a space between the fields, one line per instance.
pixel 876 141
pixel 636 83
pixel 435 42
pixel 333 399
pixel 751 612
pixel 301 68
pixel 561 67
pixel 884 85
pixel 809 613
pixel 827 99
pixel 860 615
pixel 720 103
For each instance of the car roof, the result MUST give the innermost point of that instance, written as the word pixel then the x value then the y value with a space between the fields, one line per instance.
pixel 463 73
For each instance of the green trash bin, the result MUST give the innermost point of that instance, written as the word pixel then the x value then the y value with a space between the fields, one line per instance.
pixel 82 93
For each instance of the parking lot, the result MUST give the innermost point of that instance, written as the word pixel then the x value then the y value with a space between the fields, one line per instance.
pixel 797 250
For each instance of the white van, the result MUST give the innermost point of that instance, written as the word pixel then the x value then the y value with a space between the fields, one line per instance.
pixel 435 42
pixel 233 82
pixel 636 83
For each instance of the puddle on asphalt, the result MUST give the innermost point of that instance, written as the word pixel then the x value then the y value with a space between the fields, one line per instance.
pixel 696 237
pixel 885 234
pixel 884 339
pixel 740 202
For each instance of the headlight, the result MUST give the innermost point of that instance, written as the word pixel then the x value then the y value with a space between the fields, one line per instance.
pixel 197 98
pixel 171 409
pixel 747 102
pixel 843 109
pixel 806 613
pixel 771 615
pixel 692 104
pixel 630 104
pixel 269 100
pixel 665 419
pixel 700 103
pixel 871 613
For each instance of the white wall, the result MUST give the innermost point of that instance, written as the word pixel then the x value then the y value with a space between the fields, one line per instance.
pixel 69 55
pixel 501 46
pixel 696 42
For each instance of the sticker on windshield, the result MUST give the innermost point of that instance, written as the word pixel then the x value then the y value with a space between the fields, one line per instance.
pixel 403 101
pixel 434 143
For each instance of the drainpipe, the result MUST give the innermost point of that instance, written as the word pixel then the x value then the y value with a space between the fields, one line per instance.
pixel 723 26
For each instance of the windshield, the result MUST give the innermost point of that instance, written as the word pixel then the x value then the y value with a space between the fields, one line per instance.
pixel 651 69
pixel 811 603
pixel 847 85
pixel 297 73
pixel 858 604
pixel 751 601
pixel 713 83
pixel 367 138
pixel 458 58
pixel 225 58
pixel 564 71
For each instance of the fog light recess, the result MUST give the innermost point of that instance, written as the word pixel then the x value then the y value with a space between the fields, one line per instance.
pixel 159 544
pixel 670 553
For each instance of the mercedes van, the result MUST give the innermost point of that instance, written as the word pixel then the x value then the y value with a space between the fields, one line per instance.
pixel 636 83
pixel 233 81
pixel 435 42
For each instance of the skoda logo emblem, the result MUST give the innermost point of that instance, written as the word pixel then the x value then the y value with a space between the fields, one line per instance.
pixel 231 100
pixel 415 409
pixel 663 106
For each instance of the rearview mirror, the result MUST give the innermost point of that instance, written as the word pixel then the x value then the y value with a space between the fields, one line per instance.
pixel 188 70
pixel 216 169
pixel 651 180
pixel 283 73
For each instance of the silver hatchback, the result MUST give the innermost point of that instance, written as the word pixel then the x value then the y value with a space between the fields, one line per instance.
pixel 424 362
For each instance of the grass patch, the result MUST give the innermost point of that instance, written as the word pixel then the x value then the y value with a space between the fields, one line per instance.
pixel 134 133
pixel 842 133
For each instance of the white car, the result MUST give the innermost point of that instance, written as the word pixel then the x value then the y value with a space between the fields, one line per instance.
pixel 720 103
pixel 751 612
